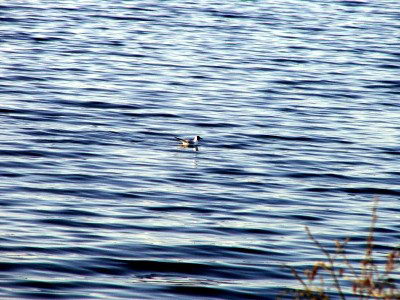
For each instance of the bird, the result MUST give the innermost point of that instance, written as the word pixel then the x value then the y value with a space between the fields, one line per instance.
pixel 189 142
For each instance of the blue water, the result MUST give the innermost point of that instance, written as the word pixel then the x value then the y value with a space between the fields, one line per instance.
pixel 298 103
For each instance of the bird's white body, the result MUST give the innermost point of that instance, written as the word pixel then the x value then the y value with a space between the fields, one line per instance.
pixel 190 142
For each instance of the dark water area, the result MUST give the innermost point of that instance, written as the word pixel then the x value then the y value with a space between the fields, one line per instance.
pixel 298 103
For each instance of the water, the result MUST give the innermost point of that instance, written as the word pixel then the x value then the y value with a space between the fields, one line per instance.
pixel 298 105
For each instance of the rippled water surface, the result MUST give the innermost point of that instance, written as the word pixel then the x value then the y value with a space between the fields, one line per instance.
pixel 298 105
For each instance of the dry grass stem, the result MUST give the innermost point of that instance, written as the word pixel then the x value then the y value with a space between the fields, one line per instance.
pixel 368 280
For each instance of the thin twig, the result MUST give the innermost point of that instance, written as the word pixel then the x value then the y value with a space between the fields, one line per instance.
pixel 369 280
pixel 342 252
pixel 331 262
pixel 296 274
pixel 369 268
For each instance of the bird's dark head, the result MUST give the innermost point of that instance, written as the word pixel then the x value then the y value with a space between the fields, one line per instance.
pixel 198 138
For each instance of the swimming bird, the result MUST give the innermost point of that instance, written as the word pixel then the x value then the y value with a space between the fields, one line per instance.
pixel 190 142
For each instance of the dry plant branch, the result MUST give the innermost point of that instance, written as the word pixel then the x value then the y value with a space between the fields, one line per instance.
pixel 368 280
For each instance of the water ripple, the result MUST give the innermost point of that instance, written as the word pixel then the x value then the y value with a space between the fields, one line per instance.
pixel 299 114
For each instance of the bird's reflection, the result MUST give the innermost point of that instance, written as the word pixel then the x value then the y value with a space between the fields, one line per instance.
pixel 194 148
